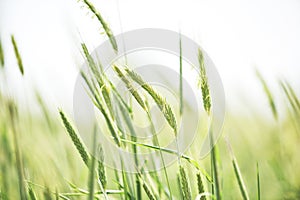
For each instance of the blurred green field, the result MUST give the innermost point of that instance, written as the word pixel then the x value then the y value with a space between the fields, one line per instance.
pixel 50 161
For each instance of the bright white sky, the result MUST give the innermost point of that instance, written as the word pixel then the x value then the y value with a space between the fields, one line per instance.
pixel 238 36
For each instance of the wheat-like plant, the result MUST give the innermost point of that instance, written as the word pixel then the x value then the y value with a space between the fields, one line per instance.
pixel 291 95
pixel 203 82
pixel 180 76
pixel 99 78
pixel 240 180
pixel 17 54
pixel 92 165
pixel 130 87
pixel 148 190
pixel 31 193
pixel 179 185
pixel 96 98
pixel 101 168
pixel 118 117
pixel 75 139
pixel 268 93
pixel 185 186
pixel 258 181
pixel 164 107
pixel 105 26
pixel 216 189
pixel 45 110
pixel 237 173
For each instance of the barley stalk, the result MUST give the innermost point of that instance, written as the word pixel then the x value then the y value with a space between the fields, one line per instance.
pixel 56 195
pixel 31 193
pixel 143 104
pixel 289 96
pixel 117 177
pixel 180 76
pixel 238 174
pixel 296 99
pixel 293 96
pixel 104 88
pixel 156 142
pixel 258 181
pixel 240 180
pixel 268 93
pixel 129 125
pixel 75 139
pixel 120 98
pixel 215 172
pixel 164 107
pixel 148 191
pixel 171 151
pixel 130 87
pixel 106 28
pixel 44 110
pixel 92 167
pixel 126 182
pixel 150 194
pixel 17 54
pixel 98 103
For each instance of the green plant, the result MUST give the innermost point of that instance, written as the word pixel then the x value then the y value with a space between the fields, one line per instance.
pixel 17 54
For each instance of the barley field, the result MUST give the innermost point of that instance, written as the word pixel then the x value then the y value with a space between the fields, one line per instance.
pixel 44 156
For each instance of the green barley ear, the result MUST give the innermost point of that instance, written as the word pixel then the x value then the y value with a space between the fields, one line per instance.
pixel 106 28
pixel 75 139
pixel 268 93
pixel 1 54
pixel 186 190
pixel 101 169
pixel 164 107
pixel 200 186
pixel 179 185
pixel 203 82
pixel 17 54
pixel 130 87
